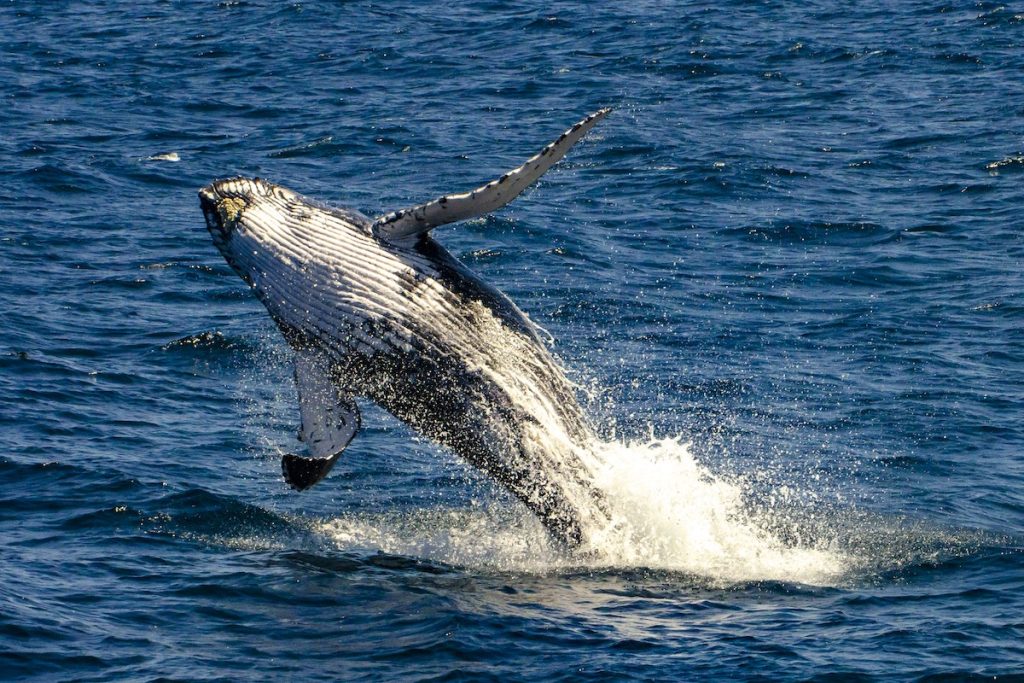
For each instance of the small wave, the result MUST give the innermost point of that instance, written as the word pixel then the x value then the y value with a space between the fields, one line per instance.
pixel 845 55
pixel 62 179
pixel 52 469
pixel 917 141
pixel 817 232
pixel 1013 162
pixel 165 156
pixel 1000 16
pixel 210 340
pixel 209 518
pixel 122 282
pixel 937 228
pixel 959 58
pixel 324 146
pixel 549 22
pixel 483 255
pixel 346 563
pixel 687 69
pixel 187 267
pixel 783 172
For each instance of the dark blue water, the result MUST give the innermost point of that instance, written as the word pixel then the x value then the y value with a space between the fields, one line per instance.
pixel 795 246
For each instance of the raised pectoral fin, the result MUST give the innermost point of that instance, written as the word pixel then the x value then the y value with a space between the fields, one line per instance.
pixel 330 419
pixel 484 199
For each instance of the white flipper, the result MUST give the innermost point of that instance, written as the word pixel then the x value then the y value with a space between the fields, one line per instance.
pixel 330 419
pixel 485 199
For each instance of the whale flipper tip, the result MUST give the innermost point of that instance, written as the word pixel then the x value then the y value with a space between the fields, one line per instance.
pixel 489 197
pixel 300 473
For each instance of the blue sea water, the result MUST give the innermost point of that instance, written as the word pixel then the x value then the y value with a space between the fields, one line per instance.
pixel 786 271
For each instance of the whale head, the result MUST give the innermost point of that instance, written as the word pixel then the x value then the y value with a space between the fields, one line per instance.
pixel 258 225
pixel 224 202
pixel 289 250
pixel 231 209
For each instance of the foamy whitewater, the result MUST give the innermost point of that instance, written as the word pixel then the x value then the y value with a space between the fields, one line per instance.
pixel 668 512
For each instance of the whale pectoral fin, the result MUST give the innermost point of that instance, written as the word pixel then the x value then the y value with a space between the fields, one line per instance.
pixel 330 418
pixel 300 473
pixel 485 199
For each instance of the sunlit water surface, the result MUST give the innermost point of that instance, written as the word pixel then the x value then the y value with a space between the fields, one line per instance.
pixel 786 273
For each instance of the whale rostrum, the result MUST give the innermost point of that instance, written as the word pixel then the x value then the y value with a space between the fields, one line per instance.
pixel 377 309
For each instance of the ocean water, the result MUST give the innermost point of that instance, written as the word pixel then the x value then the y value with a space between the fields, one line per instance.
pixel 785 271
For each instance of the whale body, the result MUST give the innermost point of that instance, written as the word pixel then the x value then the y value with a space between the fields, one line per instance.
pixel 377 309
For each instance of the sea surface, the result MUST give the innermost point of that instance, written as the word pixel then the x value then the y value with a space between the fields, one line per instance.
pixel 786 273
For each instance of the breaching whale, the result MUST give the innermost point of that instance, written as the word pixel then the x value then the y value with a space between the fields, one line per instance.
pixel 377 309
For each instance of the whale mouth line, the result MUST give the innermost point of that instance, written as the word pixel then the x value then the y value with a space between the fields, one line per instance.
pixel 209 198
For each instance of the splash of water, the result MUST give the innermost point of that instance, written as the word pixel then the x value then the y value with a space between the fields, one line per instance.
pixel 668 513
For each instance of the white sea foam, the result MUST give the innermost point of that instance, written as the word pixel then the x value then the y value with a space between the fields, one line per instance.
pixel 668 513
pixel 166 156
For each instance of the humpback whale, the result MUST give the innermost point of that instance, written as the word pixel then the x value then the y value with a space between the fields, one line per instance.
pixel 376 309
